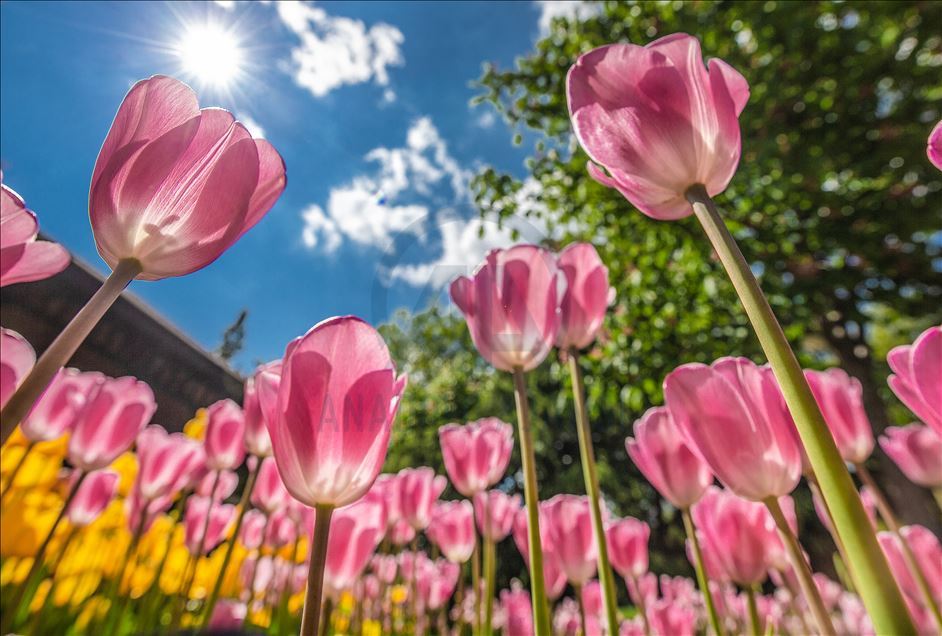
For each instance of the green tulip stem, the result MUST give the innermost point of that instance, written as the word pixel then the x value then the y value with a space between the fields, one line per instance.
pixel 702 579
pixel 310 618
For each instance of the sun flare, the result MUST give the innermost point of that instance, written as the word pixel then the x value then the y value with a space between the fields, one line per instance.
pixel 211 54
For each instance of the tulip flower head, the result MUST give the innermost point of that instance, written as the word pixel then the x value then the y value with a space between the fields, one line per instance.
pixel 194 520
pixel 439 587
pixel 253 529
pixel 163 460
pixel 662 455
pixel 735 533
pixel 22 258
pixel 917 379
pixel 569 525
pixel 657 120
pixel 419 489
pixel 934 146
pixel 476 454
pixel 96 491
pixel 355 532
pixel 515 605
pixel 116 411
pixel 927 552
pixel 840 398
pixel 734 399
pixel 917 451
pixel 587 296
pixel 495 512
pixel 225 430
pixel 16 359
pixel 175 186
pixel 257 441
pixel 511 305
pixel 628 546
pixel 553 575
pixel 337 399
pixel 55 412
pixel 269 493
pixel 451 528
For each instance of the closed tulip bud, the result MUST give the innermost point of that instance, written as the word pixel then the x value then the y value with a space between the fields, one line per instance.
pixel 657 120
pixel 269 493
pixel 224 441
pixel 385 566
pixel 16 359
pixel 437 586
pixel 515 604
pixel 56 411
pixel 495 512
pixel 355 533
pixel 662 455
pixel 583 306
pixel 401 533
pixel 553 575
pixel 94 494
pixel 228 615
pixel 569 525
pixel 162 461
pixel 175 186
pixel 628 546
pixel 282 529
pixel 337 399
pixel 451 528
pixel 476 454
pixel 194 520
pixel 257 440
pixel 386 486
pixel 671 619
pixel 735 533
pixel 141 513
pixel 934 146
pixel 917 450
pixel 227 483
pixel 511 305
pixel 116 411
pixel 927 552
pixel 917 379
pixel 22 258
pixel 419 489
pixel 253 528
pixel 734 399
pixel 840 398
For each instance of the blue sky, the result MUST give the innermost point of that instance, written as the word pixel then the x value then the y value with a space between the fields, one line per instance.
pixel 367 102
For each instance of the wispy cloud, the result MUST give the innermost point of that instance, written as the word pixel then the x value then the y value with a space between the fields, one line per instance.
pixel 550 9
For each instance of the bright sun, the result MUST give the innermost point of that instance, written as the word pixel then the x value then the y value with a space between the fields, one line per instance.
pixel 210 54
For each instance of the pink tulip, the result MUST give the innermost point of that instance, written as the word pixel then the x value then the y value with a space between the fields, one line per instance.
pixel 225 483
pixel 495 512
pixel 451 528
pixel 553 575
pixel 776 553
pixel 228 615
pixel 257 441
pixel 657 120
pixel 22 257
pixel 928 554
pixel 282 529
pixel 438 584
pixel 225 430
pixel 253 529
pixel 175 186
pixel 401 533
pixel 386 487
pixel 628 546
pixel 515 604
pixel 55 412
pixel 643 590
pixel 569 526
pixel 116 411
pixel 511 305
pixel 735 400
pixel 583 306
pixel 16 359
pixel 385 566
pixel 476 454
pixel 735 532
pixel 660 452
pixel 934 146
pixel 163 460
pixel 917 450
pixel 355 532
pixel 918 376
pixel 670 619
pixel 711 564
pixel 269 493
pixel 419 489
pixel 94 494
pixel 337 399
pixel 840 398
pixel 141 513
pixel 566 618
pixel 194 520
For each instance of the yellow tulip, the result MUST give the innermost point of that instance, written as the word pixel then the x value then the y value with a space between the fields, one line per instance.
pixel 196 428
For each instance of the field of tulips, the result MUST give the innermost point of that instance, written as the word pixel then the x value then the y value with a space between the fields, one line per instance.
pixel 274 516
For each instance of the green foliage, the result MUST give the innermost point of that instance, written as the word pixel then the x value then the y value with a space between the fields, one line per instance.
pixel 834 204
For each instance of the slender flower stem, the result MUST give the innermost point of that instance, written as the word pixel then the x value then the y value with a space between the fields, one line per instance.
pixel 886 511
pixel 16 605
pixel 327 610
pixel 230 546
pixel 878 590
pixel 813 485
pixel 590 474
pixel 286 586
pixel 577 590
pixel 702 579
pixel 753 612
pixel 414 579
pixel 189 572
pixel 541 619
pixel 489 574
pixel 258 557
pixel 153 595
pixel 310 619
pixel 937 493
pixel 802 570
pixel 65 344
pixel 50 593
pixel 476 582
pixel 13 473
pixel 635 584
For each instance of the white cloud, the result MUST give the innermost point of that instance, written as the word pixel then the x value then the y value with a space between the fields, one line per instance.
pixel 254 128
pixel 486 119
pixel 336 50
pixel 578 9
pixel 372 209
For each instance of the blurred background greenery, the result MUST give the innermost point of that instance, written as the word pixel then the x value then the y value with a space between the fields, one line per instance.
pixel 835 204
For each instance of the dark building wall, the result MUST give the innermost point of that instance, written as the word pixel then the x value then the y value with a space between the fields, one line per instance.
pixel 131 339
